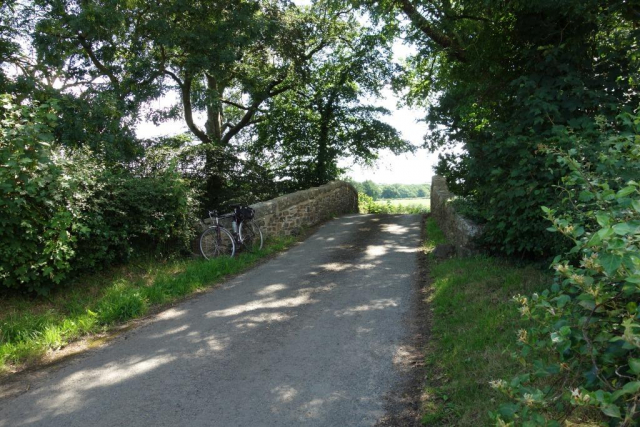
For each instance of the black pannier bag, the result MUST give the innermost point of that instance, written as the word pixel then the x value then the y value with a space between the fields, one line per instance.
pixel 244 212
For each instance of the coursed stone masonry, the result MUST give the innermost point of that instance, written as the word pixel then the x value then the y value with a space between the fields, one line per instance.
pixel 458 230
pixel 288 214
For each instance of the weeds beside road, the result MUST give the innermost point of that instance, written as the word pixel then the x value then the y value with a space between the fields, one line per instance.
pixel 29 328
pixel 474 327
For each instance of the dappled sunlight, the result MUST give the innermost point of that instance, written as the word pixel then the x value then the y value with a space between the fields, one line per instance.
pixel 271 289
pixel 336 266
pixel 172 313
pixel 171 331
pixel 115 372
pixel 375 251
pixel 263 318
pixel 406 249
pixel 379 304
pixel 317 289
pixel 368 265
pixel 284 393
pixel 289 341
pixel 395 229
pixel 77 385
pixel 261 304
pixel 362 330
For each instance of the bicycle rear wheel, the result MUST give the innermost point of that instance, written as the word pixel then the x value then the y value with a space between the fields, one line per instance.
pixel 250 235
pixel 217 242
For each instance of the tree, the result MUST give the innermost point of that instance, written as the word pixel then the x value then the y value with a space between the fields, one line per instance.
pixel 225 59
pixel 371 189
pixel 502 78
pixel 324 119
pixel 391 192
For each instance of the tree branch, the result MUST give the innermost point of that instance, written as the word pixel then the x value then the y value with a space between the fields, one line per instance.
pixel 425 26
pixel 240 106
pixel 316 49
pixel 246 119
pixel 185 90
pixel 469 17
pixel 99 65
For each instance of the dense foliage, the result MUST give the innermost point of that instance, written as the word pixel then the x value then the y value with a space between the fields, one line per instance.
pixel 65 213
pixel 499 78
pixel 80 76
pixel 311 128
pixel 584 346
pixel 223 68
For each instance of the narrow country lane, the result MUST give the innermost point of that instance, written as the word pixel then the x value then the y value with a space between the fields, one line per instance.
pixel 309 338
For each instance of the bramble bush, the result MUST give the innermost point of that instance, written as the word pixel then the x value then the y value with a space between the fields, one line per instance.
pixel 583 349
pixel 66 212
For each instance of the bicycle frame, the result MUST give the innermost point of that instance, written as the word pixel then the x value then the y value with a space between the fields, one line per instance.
pixel 213 215
pixel 236 230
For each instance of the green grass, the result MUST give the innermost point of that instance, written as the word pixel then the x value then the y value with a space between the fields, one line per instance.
pixel 31 327
pixel 416 201
pixel 473 333
pixel 434 236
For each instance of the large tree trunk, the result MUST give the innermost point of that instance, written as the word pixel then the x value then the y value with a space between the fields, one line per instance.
pixel 323 145
pixel 214 111
pixel 216 159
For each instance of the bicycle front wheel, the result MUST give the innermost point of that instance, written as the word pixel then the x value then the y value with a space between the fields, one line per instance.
pixel 250 235
pixel 217 242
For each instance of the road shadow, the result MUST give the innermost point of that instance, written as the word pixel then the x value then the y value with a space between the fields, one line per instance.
pixel 313 337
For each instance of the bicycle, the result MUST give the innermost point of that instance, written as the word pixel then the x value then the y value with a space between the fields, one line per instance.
pixel 217 241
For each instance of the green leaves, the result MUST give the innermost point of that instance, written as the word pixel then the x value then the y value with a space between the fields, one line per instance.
pixel 326 118
pixel 610 262
pixel 611 410
pixel 65 215
pixel 603 219
pixel 626 191
pixel 586 324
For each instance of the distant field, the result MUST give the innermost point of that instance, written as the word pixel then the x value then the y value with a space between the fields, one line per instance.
pixel 417 205
pixel 423 201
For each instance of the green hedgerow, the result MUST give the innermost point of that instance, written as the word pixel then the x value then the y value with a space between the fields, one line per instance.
pixel 582 352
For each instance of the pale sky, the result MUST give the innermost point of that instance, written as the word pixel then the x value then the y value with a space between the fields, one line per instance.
pixel 414 168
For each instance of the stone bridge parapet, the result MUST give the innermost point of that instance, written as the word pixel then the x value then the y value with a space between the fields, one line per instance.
pixel 458 230
pixel 287 215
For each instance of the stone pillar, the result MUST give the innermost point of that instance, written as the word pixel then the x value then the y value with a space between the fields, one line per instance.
pixel 458 230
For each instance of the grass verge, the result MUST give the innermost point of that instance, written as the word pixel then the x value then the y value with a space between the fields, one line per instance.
pixel 29 328
pixel 474 327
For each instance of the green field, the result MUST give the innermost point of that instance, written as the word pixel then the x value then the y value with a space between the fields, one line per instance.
pixel 421 201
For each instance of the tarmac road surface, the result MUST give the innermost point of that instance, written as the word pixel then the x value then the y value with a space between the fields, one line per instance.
pixel 309 338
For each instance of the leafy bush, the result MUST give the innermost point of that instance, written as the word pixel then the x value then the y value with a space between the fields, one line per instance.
pixel 583 349
pixel 529 69
pixel 65 212
pixel 126 213
pixel 35 222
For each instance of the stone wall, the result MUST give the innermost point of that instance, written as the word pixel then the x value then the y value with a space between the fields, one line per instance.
pixel 458 230
pixel 288 214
